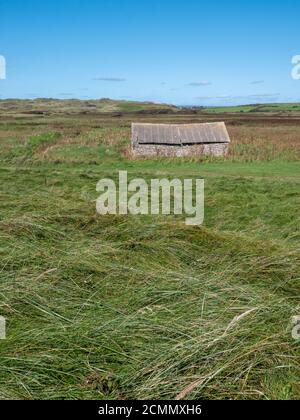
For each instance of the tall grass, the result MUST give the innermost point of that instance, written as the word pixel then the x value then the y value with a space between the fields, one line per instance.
pixel 267 143
pixel 146 307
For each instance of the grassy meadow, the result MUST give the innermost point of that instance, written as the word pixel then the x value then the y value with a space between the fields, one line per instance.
pixel 145 307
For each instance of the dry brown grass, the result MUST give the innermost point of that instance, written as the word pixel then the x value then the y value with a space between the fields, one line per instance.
pixel 268 142
pixel 260 139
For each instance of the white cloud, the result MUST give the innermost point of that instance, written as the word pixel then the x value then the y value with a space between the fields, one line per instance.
pixel 110 79
pixel 202 83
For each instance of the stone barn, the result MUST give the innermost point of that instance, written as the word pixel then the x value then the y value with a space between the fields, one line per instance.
pixel 178 140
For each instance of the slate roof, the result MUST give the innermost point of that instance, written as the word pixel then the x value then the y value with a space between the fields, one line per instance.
pixel 180 134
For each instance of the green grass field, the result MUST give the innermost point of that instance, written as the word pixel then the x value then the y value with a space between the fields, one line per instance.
pixel 132 307
pixel 264 108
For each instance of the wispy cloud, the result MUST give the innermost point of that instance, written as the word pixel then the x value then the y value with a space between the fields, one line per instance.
pixel 257 82
pixel 264 95
pixel 197 84
pixel 224 97
pixel 110 79
pixel 258 95
pixel 66 94
pixel 212 98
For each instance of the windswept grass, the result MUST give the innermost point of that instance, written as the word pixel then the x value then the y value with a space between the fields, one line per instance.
pixel 146 307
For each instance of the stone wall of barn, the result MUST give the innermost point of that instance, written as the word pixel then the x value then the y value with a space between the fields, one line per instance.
pixel 145 150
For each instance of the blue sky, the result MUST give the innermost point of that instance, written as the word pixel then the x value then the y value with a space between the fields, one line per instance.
pixel 187 52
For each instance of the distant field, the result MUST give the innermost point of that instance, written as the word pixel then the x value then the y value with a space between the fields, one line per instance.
pixel 146 307
pixel 282 108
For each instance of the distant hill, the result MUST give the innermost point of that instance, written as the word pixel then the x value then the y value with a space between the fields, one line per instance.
pixel 49 106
